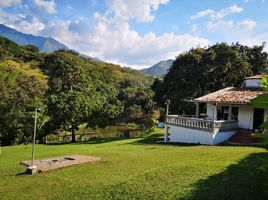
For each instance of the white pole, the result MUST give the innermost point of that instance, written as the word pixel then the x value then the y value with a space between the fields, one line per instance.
pixel 166 126
pixel 197 110
pixel 167 108
pixel 34 136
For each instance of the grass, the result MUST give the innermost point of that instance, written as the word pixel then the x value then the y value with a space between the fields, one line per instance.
pixel 139 168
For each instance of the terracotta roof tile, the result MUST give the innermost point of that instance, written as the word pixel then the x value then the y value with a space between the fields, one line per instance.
pixel 231 95
pixel 259 76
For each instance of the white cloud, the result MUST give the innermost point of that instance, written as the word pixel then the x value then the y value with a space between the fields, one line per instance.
pixel 8 3
pixel 141 10
pixel 216 15
pixel 203 13
pixel 21 23
pixel 230 26
pixel 220 25
pixel 34 26
pixel 246 25
pixel 109 35
pixel 217 22
pixel 248 1
pixel 119 43
pixel 112 38
pixel 48 6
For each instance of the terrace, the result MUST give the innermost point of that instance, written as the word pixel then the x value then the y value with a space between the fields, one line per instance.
pixel 208 125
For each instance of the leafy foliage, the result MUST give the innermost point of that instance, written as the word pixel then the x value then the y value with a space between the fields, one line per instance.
pixel 204 70
pixel 71 97
pixel 262 100
pixel 70 88
pixel 22 86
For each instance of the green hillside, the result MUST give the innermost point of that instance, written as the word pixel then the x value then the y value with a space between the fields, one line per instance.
pixel 28 79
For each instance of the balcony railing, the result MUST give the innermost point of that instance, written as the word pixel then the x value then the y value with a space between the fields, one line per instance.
pixel 202 124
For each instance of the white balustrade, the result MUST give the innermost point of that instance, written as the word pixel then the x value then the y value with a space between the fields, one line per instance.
pixel 202 124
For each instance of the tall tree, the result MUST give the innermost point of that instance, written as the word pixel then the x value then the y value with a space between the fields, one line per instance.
pixel 71 95
pixel 200 71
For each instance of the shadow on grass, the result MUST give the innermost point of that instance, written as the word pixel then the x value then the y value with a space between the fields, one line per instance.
pixel 159 140
pixel 243 145
pixel 246 180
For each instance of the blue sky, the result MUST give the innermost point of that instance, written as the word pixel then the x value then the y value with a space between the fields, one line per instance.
pixel 139 33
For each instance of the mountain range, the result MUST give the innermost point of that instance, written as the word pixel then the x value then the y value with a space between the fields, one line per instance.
pixel 45 44
pixel 159 69
pixel 48 44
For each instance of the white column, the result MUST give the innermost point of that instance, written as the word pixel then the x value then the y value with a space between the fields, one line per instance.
pixel 166 134
pixel 215 113
pixel 197 110
pixel 230 113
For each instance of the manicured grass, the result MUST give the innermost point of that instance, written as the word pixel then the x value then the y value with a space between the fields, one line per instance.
pixel 139 169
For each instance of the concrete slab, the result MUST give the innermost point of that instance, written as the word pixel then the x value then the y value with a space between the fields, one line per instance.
pixel 51 164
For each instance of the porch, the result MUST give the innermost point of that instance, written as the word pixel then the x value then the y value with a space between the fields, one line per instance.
pixel 208 125
pixel 187 129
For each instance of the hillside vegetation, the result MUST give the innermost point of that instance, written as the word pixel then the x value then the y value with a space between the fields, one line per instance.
pixel 203 70
pixel 69 89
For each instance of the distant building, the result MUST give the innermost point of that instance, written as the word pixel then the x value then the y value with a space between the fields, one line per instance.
pixel 227 110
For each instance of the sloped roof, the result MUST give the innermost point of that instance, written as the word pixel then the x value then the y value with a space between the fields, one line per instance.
pixel 259 76
pixel 231 95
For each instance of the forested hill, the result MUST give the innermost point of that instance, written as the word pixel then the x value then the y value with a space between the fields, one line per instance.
pixel 43 43
pixel 159 69
pixel 70 89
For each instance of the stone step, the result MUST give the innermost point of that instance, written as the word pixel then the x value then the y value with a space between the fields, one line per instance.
pixel 243 137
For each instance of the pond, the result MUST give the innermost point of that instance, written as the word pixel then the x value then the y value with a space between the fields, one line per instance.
pixel 86 134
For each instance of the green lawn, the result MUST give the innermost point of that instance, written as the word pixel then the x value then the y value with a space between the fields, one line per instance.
pixel 139 169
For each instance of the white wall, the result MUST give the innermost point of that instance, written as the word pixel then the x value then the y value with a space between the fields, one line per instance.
pixel 195 136
pixel 245 116
pixel 222 136
pixel 253 83
pixel 187 135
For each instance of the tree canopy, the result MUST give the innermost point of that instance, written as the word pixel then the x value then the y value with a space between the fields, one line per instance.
pixel 69 88
pixel 204 70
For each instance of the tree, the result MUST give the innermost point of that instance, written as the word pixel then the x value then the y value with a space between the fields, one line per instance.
pixel 71 95
pixel 262 100
pixel 201 71
pixel 20 94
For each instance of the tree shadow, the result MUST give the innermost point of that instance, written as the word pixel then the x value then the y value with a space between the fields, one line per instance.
pixel 246 180
pixel 157 139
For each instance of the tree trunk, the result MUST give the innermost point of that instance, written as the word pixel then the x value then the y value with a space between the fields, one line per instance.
pixel 73 136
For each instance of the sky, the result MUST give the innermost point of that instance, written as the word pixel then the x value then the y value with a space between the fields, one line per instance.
pixel 139 33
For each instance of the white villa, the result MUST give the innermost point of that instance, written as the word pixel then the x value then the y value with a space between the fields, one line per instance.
pixel 227 110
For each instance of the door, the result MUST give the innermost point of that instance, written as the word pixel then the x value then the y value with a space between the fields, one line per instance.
pixel 258 117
